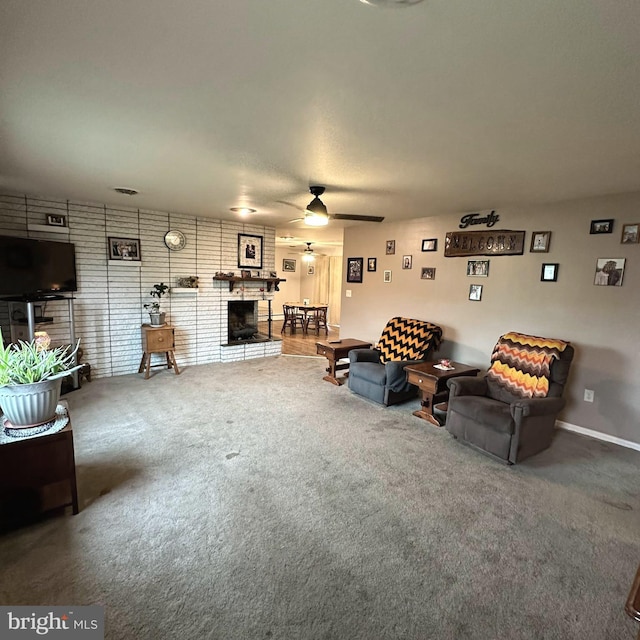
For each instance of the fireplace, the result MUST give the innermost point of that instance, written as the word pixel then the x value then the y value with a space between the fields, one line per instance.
pixel 242 321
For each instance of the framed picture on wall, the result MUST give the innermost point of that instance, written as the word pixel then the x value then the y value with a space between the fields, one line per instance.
pixel 609 272
pixel 391 247
pixel 56 221
pixel 124 249
pixel 430 244
pixel 311 270
pixel 288 264
pixel 407 262
pixel 630 233
pixel 601 226
pixel 372 264
pixel 428 273
pixel 478 268
pixel 387 276
pixel 540 241
pixel 475 292
pixel 249 251
pixel 354 269
pixel 549 272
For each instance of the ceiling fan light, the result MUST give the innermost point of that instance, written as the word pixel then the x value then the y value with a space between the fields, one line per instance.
pixel 308 257
pixel 316 219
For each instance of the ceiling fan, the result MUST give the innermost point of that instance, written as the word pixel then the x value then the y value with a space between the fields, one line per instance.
pixel 315 214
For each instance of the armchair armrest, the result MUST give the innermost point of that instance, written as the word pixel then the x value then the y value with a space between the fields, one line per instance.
pixel 364 355
pixel 536 407
pixel 396 376
pixel 467 386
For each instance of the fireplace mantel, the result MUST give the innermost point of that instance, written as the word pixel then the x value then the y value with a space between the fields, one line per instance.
pixel 271 282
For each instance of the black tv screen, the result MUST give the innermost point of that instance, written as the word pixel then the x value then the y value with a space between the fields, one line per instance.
pixel 31 268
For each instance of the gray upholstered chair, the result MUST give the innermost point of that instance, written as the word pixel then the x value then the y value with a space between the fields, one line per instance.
pixel 510 414
pixel 378 374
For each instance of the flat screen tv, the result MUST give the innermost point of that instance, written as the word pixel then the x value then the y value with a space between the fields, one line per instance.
pixel 32 269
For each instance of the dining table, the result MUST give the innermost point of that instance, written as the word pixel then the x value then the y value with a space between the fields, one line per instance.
pixel 307 308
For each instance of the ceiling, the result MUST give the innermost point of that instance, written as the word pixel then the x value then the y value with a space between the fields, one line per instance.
pixel 201 105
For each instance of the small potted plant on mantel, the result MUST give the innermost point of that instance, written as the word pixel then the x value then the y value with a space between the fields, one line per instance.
pixel 30 380
pixel 156 316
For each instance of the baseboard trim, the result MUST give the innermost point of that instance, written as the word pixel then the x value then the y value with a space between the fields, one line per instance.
pixel 598 435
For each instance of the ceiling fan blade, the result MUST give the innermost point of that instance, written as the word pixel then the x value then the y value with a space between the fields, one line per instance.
pixel 297 220
pixel 291 204
pixel 349 216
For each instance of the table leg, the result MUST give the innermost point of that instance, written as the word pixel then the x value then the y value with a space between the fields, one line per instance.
pixel 148 369
pixel 426 413
pixel 141 367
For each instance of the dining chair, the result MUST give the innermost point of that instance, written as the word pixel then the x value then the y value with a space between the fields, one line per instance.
pixel 292 319
pixel 317 319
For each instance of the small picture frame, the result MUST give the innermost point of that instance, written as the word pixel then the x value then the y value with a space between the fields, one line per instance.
pixel 549 272
pixel 475 292
pixel 245 273
pixel 428 273
pixel 386 277
pixel 56 221
pixel 127 249
pixel 478 268
pixel 601 226
pixel 391 247
pixel 289 265
pixel 354 269
pixel 311 270
pixel 630 233
pixel 407 262
pixel 273 274
pixel 430 244
pixel 540 241
pixel 249 251
pixel 609 272
pixel 372 264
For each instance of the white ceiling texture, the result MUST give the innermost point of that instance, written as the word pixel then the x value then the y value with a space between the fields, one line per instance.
pixel 202 105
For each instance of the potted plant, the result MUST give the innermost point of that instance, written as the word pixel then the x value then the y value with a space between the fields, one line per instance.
pixel 155 315
pixel 30 380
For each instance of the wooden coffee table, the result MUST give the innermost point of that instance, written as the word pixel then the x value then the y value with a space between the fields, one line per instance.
pixel 432 383
pixel 335 350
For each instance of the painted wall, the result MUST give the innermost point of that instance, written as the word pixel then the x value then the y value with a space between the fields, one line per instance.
pixel 109 304
pixel 602 322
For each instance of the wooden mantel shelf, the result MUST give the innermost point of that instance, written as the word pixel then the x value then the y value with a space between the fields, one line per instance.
pixel 270 282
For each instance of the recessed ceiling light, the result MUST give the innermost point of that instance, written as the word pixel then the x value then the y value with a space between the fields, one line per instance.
pixel 243 211
pixel 126 191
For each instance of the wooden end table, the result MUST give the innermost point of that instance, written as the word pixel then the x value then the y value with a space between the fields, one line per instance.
pixel 335 350
pixel 432 383
pixel 157 340
pixel 37 475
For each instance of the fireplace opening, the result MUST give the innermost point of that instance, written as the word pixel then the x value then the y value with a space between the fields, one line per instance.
pixel 243 322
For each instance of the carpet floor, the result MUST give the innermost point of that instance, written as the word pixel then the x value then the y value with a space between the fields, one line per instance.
pixel 253 500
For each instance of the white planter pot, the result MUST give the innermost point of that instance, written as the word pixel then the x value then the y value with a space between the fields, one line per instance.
pixel 29 405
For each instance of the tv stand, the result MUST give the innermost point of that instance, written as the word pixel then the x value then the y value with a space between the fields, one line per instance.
pixel 31 322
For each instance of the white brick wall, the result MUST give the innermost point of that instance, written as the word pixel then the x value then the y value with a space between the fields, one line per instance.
pixel 109 303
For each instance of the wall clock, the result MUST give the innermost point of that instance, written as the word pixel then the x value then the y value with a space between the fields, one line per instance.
pixel 175 240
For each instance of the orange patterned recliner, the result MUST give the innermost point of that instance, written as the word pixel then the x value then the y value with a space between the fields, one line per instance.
pixel 510 414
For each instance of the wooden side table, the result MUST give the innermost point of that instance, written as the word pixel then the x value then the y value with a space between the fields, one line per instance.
pixel 432 383
pixel 157 340
pixel 37 475
pixel 335 350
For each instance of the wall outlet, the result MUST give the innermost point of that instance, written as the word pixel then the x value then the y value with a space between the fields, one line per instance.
pixel 588 395
pixel 348 293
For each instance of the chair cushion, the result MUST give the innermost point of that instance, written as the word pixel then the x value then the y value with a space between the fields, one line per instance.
pixel 484 411
pixel 520 366
pixel 408 339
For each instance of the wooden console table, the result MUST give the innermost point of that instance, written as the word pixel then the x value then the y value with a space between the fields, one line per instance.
pixel 335 350
pixel 432 383
pixel 157 340
pixel 37 475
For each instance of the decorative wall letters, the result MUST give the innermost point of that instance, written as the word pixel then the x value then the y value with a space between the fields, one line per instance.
pixel 498 242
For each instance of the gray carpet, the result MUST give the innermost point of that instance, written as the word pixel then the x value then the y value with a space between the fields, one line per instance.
pixel 253 500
